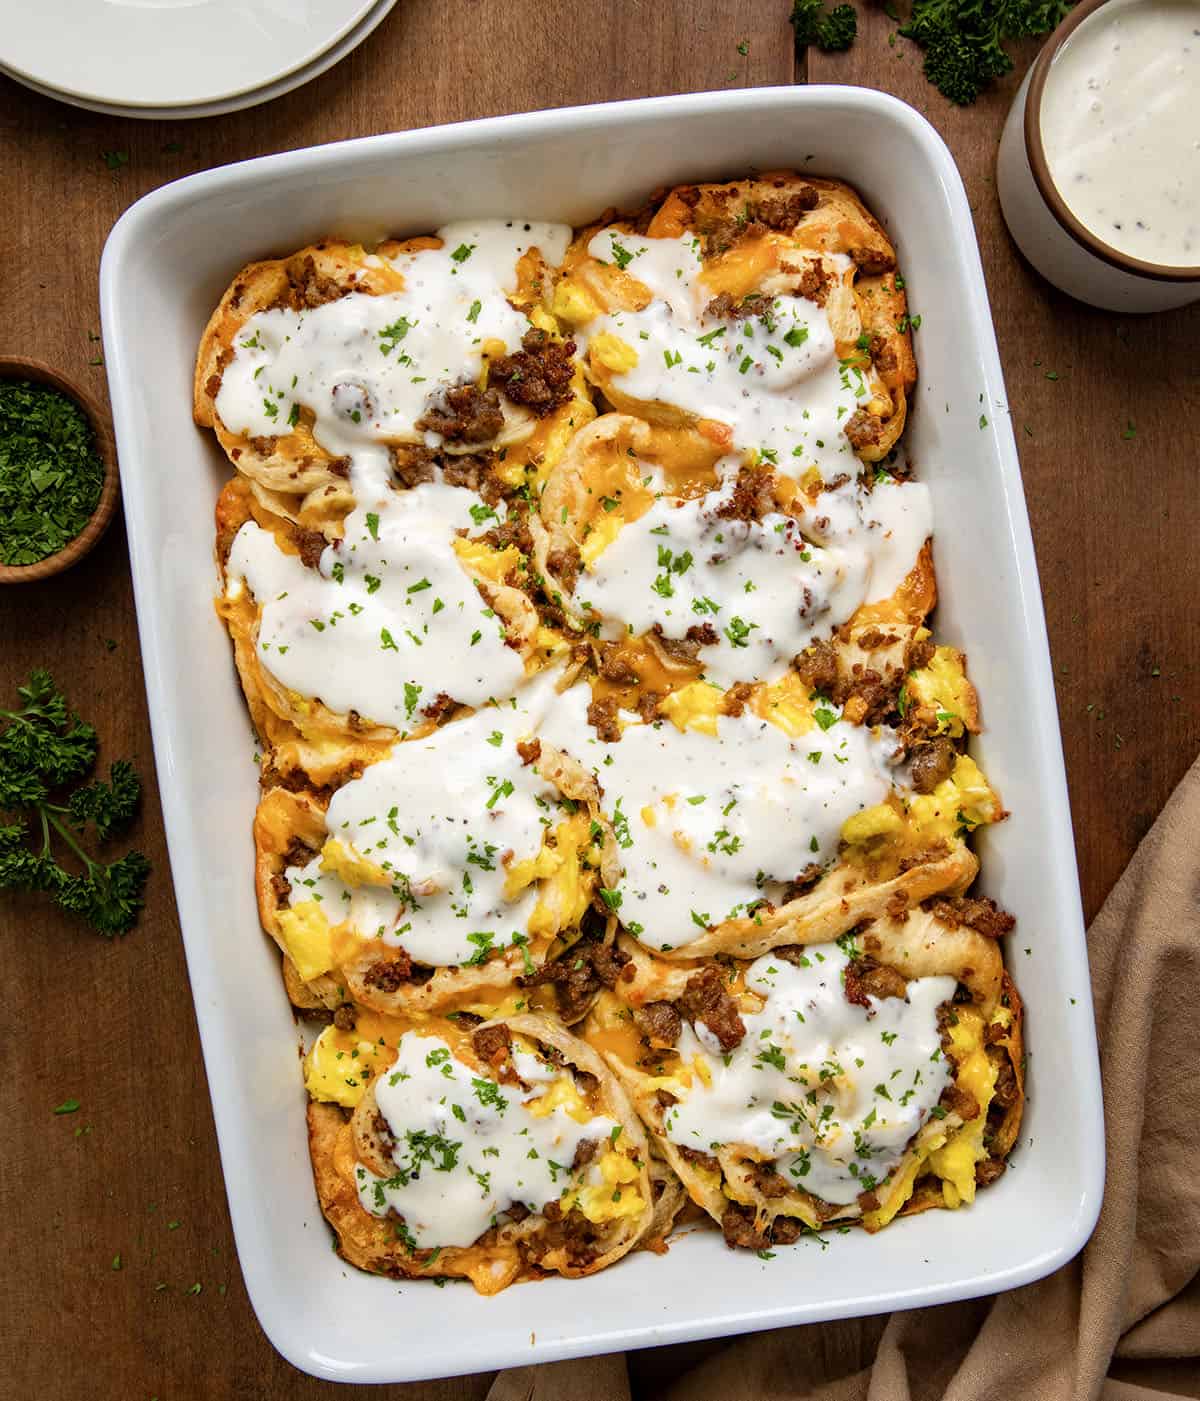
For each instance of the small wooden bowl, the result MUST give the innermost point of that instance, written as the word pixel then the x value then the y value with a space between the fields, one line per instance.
pixel 37 372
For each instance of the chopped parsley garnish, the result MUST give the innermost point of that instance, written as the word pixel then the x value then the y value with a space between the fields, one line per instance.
pixel 391 336
pixel 621 255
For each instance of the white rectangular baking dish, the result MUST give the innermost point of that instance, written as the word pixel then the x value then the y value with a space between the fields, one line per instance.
pixel 165 265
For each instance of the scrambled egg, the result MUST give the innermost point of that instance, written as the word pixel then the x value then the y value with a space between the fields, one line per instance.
pixel 942 687
pixel 308 938
pixel 960 803
pixel 952 1155
pixel 574 304
pixel 963 801
pixel 481 560
pixel 351 868
pixel 613 353
pixel 340 1065
pixel 601 533
pixel 612 1198
pixel 569 876
pixel 609 1200
pixel 694 707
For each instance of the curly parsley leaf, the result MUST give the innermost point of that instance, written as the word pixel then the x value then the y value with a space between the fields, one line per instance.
pixel 43 748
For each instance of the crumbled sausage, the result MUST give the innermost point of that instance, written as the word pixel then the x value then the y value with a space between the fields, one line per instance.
pixel 311 544
pixel 513 530
pixel 648 703
pixel 873 260
pixel 585 1151
pixel 678 649
pixel 989 1170
pixel 739 1228
pixel 699 1159
pixel 297 853
pixel 539 374
pixel 896 906
pixel 1007 1090
pixel 565 565
pixel 472 470
pixel 441 706
pixel 863 429
pixel 726 307
pixel 801 884
pixel 570 1232
pixel 705 999
pixel 935 851
pixel 530 750
pixel 578 975
pixel 932 762
pixel 389 974
pixel 983 916
pixel 817 666
pixel 737 697
pixel 786 1230
pixel 659 1023
pixel 784 212
pixel 281 888
pixel 602 716
pixel 492 1044
pixel 463 413
pixel 919 654
pixel 345 1018
pixel 412 464
pixel 866 978
pixel 769 1182
pixel 616 667
pixel 883 355
pixel 309 287
pixel 961 1102
pixel 752 497
pixel 814 282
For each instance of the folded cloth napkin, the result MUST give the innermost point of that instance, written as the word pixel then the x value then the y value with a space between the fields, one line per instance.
pixel 1134 1293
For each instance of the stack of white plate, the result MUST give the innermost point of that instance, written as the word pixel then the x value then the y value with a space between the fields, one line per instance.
pixel 177 58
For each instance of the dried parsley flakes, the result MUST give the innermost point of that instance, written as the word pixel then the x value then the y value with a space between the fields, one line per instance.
pixel 50 471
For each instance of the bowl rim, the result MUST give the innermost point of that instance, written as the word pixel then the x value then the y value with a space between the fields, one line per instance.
pixel 1035 150
pixel 39 372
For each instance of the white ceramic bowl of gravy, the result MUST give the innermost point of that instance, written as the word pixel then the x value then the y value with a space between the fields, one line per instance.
pixel 1099 165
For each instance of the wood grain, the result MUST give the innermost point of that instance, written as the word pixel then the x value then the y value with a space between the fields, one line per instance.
pixel 134 1173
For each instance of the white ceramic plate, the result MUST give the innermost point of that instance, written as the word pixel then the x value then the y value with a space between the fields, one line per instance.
pixel 167 53
pixel 345 45
pixel 164 268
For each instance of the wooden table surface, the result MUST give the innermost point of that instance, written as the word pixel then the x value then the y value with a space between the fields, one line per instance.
pixel 133 1179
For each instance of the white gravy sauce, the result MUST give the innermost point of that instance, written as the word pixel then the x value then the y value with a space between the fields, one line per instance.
pixel 765 588
pixel 1121 128
pixel 708 825
pixel 832 1092
pixel 467 1147
pixel 445 817
pixel 389 617
pixel 366 365
pixel 777 382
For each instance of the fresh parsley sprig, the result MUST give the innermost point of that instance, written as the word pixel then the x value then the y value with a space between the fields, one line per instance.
pixel 44 747
pixel 831 30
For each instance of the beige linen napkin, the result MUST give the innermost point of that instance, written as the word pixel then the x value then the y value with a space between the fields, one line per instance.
pixel 1135 1290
